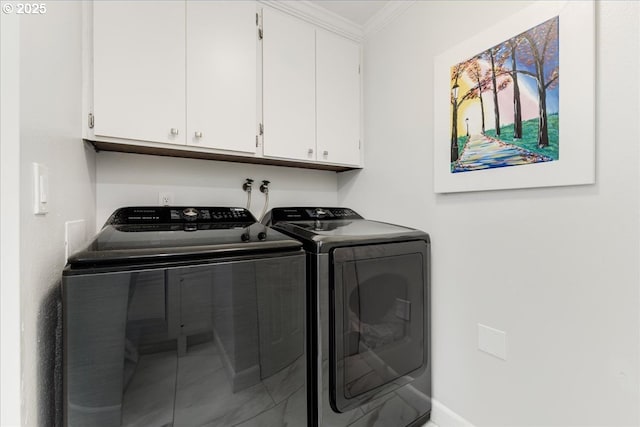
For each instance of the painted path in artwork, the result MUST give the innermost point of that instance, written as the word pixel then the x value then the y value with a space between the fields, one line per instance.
pixel 483 152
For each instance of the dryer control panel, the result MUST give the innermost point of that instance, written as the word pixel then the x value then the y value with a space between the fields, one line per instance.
pixel 309 214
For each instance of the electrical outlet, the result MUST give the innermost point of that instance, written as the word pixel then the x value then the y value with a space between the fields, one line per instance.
pixel 165 199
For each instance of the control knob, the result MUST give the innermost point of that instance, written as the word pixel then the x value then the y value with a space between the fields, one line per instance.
pixel 321 213
pixel 190 214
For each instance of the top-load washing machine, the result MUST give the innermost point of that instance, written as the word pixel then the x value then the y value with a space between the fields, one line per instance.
pixel 185 316
pixel 368 317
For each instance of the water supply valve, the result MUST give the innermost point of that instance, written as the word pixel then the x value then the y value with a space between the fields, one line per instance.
pixel 247 185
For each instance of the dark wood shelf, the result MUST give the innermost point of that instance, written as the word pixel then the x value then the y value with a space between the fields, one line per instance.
pixel 168 152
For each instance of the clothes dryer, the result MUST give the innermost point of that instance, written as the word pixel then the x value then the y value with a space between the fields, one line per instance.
pixel 368 317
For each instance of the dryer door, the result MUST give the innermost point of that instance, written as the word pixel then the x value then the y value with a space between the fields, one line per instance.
pixel 379 320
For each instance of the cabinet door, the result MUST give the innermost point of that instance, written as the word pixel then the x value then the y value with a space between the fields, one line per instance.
pixel 139 70
pixel 221 75
pixel 337 99
pixel 288 87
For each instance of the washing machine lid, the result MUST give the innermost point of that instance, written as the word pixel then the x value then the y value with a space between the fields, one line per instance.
pixel 346 230
pixel 160 234
pixel 323 228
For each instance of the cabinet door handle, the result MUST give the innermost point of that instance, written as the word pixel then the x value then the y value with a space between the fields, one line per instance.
pixel 325 153
pixel 198 134
pixel 310 151
pixel 174 131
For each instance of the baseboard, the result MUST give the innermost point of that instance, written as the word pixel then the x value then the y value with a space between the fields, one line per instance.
pixel 442 416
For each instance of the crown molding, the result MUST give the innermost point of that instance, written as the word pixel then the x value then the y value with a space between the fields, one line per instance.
pixel 390 11
pixel 318 16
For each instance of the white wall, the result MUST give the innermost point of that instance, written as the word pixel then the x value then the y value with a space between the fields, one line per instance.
pixel 10 395
pixel 556 268
pixel 50 133
pixel 134 179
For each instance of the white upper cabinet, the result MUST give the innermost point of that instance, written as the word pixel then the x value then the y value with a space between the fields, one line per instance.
pixel 288 87
pixel 221 75
pixel 193 79
pixel 139 70
pixel 311 92
pixel 337 99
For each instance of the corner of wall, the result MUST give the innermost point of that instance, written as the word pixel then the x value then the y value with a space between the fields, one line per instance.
pixel 50 126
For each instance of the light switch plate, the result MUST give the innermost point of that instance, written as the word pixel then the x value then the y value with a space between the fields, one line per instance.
pixel 40 189
pixel 75 234
pixel 492 341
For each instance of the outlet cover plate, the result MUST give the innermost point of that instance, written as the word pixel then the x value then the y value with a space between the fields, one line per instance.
pixel 492 341
pixel 75 235
pixel 165 198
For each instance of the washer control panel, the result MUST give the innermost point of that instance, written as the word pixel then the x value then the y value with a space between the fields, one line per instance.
pixel 180 214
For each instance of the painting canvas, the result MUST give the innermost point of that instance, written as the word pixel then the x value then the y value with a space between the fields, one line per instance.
pixel 504 103
pixel 519 103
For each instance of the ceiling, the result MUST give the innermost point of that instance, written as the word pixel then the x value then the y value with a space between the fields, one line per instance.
pixel 358 11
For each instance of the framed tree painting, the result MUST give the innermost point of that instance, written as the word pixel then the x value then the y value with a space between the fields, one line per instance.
pixel 514 106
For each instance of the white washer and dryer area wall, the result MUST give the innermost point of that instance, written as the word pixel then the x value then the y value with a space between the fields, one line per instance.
pixel 134 180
